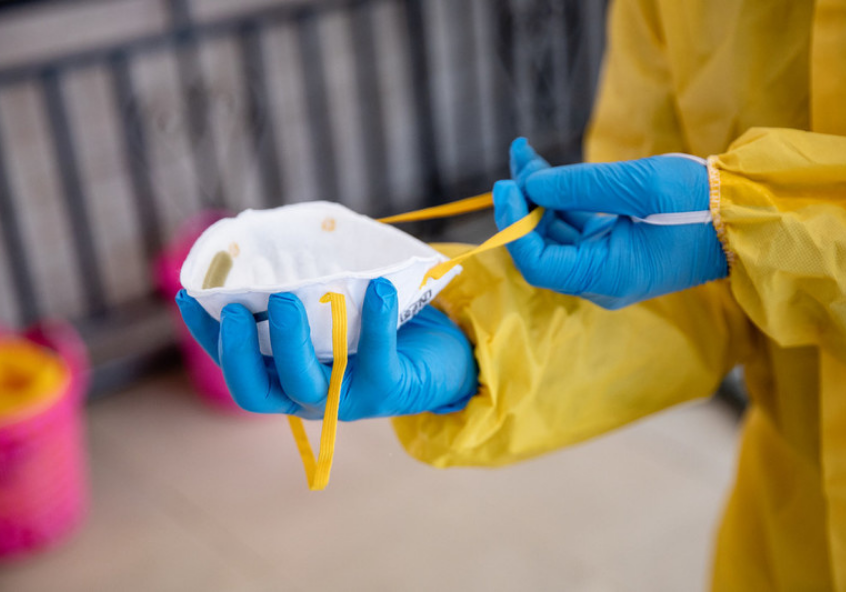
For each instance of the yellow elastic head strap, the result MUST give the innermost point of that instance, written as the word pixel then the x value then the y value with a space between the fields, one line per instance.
pixel 464 206
pixel 317 471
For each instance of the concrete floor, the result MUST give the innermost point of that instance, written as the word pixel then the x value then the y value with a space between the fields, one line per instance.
pixel 185 499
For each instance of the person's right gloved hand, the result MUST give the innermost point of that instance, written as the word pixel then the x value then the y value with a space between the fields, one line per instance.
pixel 589 243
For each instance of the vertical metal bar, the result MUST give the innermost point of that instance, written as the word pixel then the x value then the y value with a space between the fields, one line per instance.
pixel 538 43
pixel 317 104
pixel 595 16
pixel 180 13
pixel 573 27
pixel 503 76
pixel 563 81
pixel 77 210
pixel 586 27
pixel 195 97
pixel 468 120
pixel 259 113
pixel 370 106
pixel 27 300
pixel 135 153
pixel 420 90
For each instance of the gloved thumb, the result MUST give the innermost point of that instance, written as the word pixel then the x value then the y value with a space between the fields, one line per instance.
pixel 524 161
pixel 201 325
pixel 377 345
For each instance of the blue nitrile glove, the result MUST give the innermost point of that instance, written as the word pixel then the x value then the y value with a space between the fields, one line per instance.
pixel 427 365
pixel 593 241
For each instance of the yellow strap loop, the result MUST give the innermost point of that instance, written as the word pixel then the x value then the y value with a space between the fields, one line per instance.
pixel 519 229
pixel 317 472
pixel 464 206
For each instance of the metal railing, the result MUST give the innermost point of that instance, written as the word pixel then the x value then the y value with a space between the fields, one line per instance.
pixel 475 73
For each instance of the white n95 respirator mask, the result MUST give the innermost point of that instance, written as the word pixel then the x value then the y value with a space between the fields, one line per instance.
pixel 309 249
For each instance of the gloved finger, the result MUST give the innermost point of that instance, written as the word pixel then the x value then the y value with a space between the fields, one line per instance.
pixel 545 221
pixel 509 204
pixel 543 263
pixel 202 326
pixel 302 376
pixel 524 161
pixel 576 218
pixel 598 226
pixel 614 188
pixel 590 226
pixel 377 345
pixel 562 233
pixel 428 320
pixel 509 207
pixel 431 317
pixel 243 366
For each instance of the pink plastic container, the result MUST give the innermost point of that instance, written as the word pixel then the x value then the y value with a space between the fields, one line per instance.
pixel 204 373
pixel 44 492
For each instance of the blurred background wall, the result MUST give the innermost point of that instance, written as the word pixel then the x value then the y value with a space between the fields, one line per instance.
pixel 122 119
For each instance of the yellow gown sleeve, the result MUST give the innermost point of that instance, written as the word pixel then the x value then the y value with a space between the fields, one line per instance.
pixel 778 197
pixel 555 370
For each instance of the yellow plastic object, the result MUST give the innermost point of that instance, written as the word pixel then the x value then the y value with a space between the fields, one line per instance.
pixel 698 76
pixel 317 472
pixel 31 377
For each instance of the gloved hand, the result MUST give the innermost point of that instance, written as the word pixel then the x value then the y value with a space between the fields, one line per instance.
pixel 588 243
pixel 427 365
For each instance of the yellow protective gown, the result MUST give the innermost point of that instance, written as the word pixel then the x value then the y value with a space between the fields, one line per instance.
pixel 760 86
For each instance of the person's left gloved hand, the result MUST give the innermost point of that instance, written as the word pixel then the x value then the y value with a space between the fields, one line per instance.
pixel 427 365
pixel 600 237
